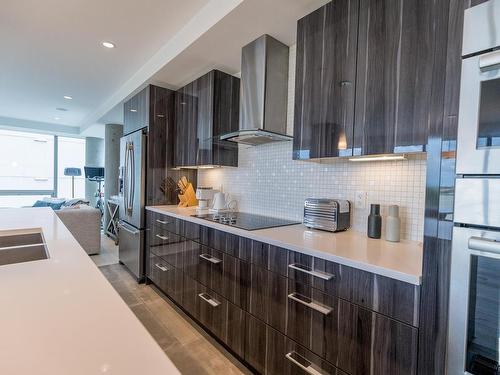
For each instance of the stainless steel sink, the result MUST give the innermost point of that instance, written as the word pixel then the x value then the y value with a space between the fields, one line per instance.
pixel 19 247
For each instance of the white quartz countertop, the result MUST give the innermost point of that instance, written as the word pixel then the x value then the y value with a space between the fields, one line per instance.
pixel 397 260
pixel 61 316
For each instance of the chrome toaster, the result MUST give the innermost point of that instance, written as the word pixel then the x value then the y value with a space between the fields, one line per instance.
pixel 332 215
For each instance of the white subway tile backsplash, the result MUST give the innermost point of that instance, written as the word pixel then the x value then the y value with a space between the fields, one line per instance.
pixel 269 182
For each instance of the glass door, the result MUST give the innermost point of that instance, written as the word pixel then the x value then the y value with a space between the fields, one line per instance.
pixel 483 327
pixel 479 118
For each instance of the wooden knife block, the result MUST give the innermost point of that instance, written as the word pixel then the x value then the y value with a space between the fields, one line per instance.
pixel 188 198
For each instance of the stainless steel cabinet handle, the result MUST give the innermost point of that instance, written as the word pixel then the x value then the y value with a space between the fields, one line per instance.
pixel 304 364
pixel 164 222
pixel 484 244
pixel 325 310
pixel 319 274
pixel 206 297
pixel 210 258
pixel 163 268
pixel 164 238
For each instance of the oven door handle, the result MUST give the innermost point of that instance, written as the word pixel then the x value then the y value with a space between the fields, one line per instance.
pixel 489 61
pixel 484 244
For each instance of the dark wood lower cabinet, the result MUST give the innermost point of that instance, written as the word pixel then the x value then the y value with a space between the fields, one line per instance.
pixel 391 297
pixel 268 351
pixel 355 339
pixel 223 319
pixel 166 277
pixel 280 319
pixel 267 297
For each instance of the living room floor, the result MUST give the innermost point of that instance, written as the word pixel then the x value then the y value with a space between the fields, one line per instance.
pixel 108 254
pixel 190 348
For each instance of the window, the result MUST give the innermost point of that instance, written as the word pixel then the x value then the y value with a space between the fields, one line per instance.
pixel 29 170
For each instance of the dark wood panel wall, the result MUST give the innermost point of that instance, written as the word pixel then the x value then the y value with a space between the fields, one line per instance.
pixel 471 3
pixel 441 151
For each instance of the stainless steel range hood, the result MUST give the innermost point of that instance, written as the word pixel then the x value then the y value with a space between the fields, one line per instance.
pixel 263 95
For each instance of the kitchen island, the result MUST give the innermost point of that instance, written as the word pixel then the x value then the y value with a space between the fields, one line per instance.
pixel 61 316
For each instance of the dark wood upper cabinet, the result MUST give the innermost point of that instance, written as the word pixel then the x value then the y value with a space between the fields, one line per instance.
pixel 395 73
pixel 325 81
pixel 136 111
pixel 206 109
pixel 364 76
pixel 153 109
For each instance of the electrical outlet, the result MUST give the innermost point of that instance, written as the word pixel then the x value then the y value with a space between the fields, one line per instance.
pixel 360 200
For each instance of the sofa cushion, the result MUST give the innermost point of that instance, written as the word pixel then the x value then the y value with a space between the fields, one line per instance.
pixel 55 206
pixel 75 202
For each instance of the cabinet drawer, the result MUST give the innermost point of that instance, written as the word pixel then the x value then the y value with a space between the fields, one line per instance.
pixel 215 313
pixel 220 240
pixel 191 231
pixel 267 296
pixel 354 338
pixel 172 252
pixel 397 299
pixel 160 236
pixel 271 352
pixel 165 276
pixel 168 223
pixel 220 272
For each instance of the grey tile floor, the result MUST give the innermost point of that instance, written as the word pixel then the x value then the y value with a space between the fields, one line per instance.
pixel 187 345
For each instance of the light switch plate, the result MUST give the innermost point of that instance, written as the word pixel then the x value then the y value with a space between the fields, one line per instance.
pixel 360 200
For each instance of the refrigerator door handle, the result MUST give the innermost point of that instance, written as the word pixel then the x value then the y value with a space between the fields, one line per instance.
pixel 125 179
pixel 132 177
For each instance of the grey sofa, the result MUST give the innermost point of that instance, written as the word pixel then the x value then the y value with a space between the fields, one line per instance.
pixel 84 223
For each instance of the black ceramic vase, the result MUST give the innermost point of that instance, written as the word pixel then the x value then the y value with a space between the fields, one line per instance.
pixel 374 222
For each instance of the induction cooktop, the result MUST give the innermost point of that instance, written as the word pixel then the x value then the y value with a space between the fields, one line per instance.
pixel 246 221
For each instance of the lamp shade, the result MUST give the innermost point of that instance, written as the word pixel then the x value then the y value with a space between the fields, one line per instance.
pixel 72 171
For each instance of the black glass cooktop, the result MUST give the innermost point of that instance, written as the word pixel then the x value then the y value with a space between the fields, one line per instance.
pixel 246 221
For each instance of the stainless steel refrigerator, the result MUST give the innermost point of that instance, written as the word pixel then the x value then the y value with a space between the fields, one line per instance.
pixel 133 194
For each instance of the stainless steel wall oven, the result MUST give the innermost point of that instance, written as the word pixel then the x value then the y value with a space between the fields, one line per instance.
pixel 474 309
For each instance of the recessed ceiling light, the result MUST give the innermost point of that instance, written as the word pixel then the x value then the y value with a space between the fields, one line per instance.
pixel 133 110
pixel 57 118
pixel 61 109
pixel 108 44
pixel 67 97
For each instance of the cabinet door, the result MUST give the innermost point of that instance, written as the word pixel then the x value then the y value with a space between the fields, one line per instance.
pixel 160 146
pixel 204 93
pixel 395 75
pixel 136 112
pixel 226 118
pixel 325 81
pixel 186 111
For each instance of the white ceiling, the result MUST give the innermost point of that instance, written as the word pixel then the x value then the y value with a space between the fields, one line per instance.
pixel 54 50
pixel 220 47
